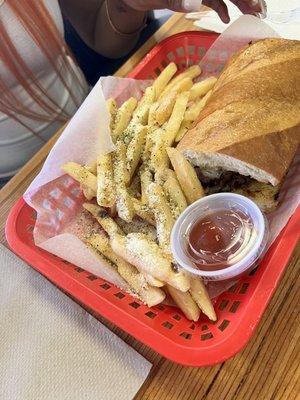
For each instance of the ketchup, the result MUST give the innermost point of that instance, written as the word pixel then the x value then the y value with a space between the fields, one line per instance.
pixel 217 240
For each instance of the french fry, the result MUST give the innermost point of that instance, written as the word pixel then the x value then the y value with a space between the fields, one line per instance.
pixel 164 78
pixel 103 218
pixel 167 102
pixel 162 174
pixel 92 167
pixel 141 114
pixel 81 175
pixel 153 281
pixel 146 180
pixel 186 176
pixel 123 117
pixel 183 85
pixel 138 226
pixel 163 216
pixel 147 148
pixel 184 127
pixel 175 195
pixel 111 268
pixel 199 293
pixel 101 243
pixel 135 150
pixel 150 295
pixel 176 118
pixel 88 193
pixel 112 109
pixel 153 134
pixel 147 257
pixel 200 89
pixel 191 72
pixel 130 132
pixel 186 303
pixel 147 98
pixel 106 195
pixel 120 164
pixel 143 211
pixel 165 107
pixel 124 204
pixel 159 158
pixel 152 114
pixel 193 112
pixel 134 189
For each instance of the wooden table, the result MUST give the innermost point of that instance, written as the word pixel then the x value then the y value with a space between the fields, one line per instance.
pixel 269 366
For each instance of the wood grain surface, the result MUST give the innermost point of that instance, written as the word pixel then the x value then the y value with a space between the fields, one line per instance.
pixel 269 366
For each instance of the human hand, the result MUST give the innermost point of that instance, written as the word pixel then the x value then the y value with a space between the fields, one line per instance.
pixel 251 7
pixel 246 6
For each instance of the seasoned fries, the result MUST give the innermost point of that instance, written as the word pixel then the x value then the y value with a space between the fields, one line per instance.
pixel 191 73
pixel 165 107
pixel 166 178
pixel 112 109
pixel 163 216
pixel 143 211
pixel 92 167
pixel 123 117
pixel 147 257
pixel 164 78
pixel 186 303
pixel 186 176
pixel 105 181
pixel 183 85
pixel 135 149
pixel 124 203
pixel 200 296
pixel 140 116
pixel 143 186
pixel 146 180
pixel 201 88
pixel 153 281
pixel 167 135
pixel 89 194
pixel 137 281
pixel 184 127
pixel 103 218
pixel 176 118
pixel 193 112
pixel 175 195
pixel 81 174
pixel 152 114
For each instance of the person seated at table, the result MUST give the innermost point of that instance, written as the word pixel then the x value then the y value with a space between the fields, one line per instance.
pixel 41 84
pixel 101 33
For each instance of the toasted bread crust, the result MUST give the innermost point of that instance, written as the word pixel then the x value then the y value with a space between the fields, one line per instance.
pixel 253 114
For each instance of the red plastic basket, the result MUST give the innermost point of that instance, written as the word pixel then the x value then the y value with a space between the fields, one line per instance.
pixel 164 328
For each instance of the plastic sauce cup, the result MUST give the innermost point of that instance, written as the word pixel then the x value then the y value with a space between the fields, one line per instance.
pixel 224 219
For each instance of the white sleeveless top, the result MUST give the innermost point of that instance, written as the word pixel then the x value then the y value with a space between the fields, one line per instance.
pixel 18 144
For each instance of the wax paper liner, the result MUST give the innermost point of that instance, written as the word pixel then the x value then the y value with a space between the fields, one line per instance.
pixel 57 198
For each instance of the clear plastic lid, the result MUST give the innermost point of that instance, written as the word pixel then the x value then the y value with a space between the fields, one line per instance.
pixel 219 236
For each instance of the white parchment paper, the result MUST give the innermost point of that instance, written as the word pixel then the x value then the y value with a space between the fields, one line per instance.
pixel 57 199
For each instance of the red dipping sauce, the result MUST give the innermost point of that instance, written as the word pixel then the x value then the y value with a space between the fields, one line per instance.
pixel 217 238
